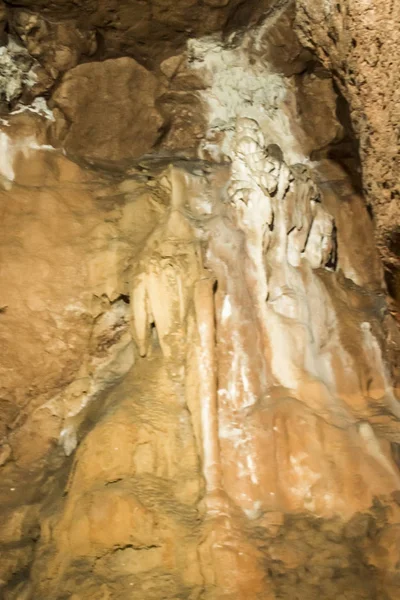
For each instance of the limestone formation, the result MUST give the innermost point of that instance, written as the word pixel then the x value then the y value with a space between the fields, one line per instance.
pixel 133 28
pixel 105 111
pixel 57 46
pixel 358 42
pixel 200 366
pixel 16 71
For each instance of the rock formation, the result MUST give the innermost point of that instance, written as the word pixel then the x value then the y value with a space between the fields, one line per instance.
pixel 201 373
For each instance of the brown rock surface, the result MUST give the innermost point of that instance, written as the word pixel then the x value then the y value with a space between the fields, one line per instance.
pixel 106 110
pixel 57 46
pixel 130 519
pixel 147 32
pixel 200 378
pixel 44 323
pixel 129 516
pixel 62 272
pixel 358 42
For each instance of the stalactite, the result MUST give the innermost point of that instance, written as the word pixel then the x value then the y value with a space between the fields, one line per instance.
pixel 266 236
pixel 205 315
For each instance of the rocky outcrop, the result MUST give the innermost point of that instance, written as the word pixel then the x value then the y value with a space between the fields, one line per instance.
pixel 57 46
pixel 147 33
pixel 105 111
pixel 358 43
pixel 61 35
pixel 201 378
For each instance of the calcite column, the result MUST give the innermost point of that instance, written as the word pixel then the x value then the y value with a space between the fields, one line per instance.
pixel 205 315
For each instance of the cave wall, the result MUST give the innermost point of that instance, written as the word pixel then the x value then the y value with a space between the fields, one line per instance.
pixel 358 44
pixel 201 370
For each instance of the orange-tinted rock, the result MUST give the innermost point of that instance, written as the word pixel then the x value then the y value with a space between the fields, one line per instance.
pixel 219 419
pixel 129 512
pixel 359 44
pixel 45 326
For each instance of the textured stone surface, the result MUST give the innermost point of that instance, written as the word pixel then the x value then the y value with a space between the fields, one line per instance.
pixel 302 463
pixel 44 275
pixel 58 46
pixel 106 110
pixel 201 373
pixel 148 32
pixel 16 71
pixel 62 271
pixel 359 42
